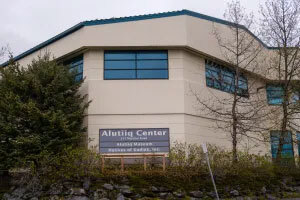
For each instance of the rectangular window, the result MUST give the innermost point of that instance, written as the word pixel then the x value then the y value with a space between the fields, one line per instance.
pixel 135 65
pixel 76 65
pixel 223 78
pixel 295 97
pixel 275 94
pixel 287 151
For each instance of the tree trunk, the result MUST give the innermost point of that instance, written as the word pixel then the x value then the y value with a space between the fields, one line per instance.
pixel 283 131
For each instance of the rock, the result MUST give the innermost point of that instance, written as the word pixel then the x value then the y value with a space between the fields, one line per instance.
pixel 179 194
pixel 164 189
pixel 137 196
pixel 7 196
pixel 270 197
pixel 19 192
pixel 120 197
pixel 263 190
pixel 77 191
pixel 163 194
pixel 55 189
pixel 196 194
pixel 154 189
pixel 86 184
pixel 55 197
pixel 100 193
pixel 78 198
pixel 125 180
pixel 239 198
pixel 122 187
pixel 248 198
pixel 234 193
pixel 126 192
pixel 170 196
pixel 297 189
pixel 108 186
pixel 211 194
pixel 104 199
pixel 289 189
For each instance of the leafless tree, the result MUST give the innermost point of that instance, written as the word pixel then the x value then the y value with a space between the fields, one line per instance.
pixel 239 112
pixel 5 53
pixel 280 27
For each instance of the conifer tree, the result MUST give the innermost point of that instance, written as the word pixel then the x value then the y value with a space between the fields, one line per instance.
pixel 41 110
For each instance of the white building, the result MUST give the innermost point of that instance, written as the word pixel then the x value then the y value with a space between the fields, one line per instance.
pixel 139 72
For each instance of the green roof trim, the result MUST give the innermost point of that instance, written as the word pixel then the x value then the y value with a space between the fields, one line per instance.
pixel 129 19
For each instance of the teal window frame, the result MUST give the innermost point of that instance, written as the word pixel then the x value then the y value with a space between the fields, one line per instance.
pixel 288 149
pixel 223 78
pixel 135 64
pixel 76 64
pixel 274 94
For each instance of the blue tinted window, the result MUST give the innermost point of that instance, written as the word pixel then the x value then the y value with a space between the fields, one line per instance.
pixel 136 65
pixel 76 66
pixel 120 74
pixel 120 64
pixel 223 78
pixel 152 64
pixel 119 55
pixel 295 98
pixel 274 94
pixel 287 148
pixel 149 74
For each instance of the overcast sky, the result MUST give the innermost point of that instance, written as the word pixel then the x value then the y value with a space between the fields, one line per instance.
pixel 26 23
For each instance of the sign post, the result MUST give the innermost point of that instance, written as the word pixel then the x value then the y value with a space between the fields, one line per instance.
pixel 211 174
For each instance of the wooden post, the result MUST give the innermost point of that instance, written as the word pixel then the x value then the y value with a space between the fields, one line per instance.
pixel 164 162
pixel 102 164
pixel 145 163
pixel 122 163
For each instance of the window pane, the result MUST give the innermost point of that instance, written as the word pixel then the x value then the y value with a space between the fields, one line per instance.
pixel 76 66
pixel 152 74
pixel 228 87
pixel 228 80
pixel 243 85
pixel 119 74
pixel 78 77
pixel 75 63
pixel 119 55
pixel 152 64
pixel 152 55
pixel 295 98
pixel 287 148
pixel 229 73
pixel 213 67
pixel 147 64
pixel 223 78
pixel 209 82
pixel 275 95
pixel 123 64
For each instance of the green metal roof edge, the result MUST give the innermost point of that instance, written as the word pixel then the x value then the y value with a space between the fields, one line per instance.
pixel 129 19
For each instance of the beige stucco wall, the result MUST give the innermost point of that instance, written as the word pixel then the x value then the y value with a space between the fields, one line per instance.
pixel 156 103
pixel 169 32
